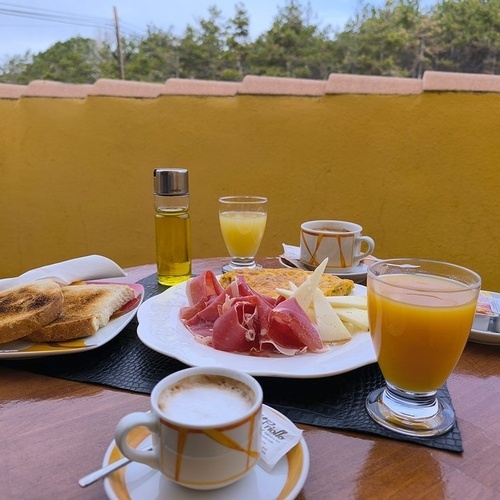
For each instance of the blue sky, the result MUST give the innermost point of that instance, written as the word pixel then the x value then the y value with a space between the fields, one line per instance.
pixel 20 34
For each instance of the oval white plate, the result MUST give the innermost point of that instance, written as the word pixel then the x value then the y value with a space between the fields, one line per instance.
pixel 137 481
pixel 161 329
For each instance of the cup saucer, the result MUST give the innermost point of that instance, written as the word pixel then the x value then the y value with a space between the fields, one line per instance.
pixel 356 274
pixel 138 481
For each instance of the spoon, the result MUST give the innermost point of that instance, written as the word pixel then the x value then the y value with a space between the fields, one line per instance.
pixel 106 471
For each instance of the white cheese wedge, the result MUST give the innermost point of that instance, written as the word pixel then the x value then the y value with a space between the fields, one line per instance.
pixel 358 301
pixel 358 317
pixel 284 292
pixel 305 292
pixel 330 326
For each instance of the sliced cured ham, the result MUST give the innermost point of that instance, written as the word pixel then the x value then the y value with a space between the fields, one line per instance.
pixel 238 328
pixel 238 319
pixel 202 286
pixel 291 328
pixel 200 291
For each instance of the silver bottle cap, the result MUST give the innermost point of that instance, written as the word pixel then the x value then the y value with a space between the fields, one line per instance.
pixel 171 181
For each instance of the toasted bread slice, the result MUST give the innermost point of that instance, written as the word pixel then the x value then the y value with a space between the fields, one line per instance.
pixel 265 281
pixel 27 308
pixel 86 308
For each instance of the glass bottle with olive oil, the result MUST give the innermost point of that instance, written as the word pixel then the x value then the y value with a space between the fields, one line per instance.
pixel 172 225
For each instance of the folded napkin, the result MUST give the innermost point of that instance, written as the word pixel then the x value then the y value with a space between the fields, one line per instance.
pixel 90 267
pixel 291 252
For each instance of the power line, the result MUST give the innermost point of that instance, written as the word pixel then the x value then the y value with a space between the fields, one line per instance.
pixel 57 16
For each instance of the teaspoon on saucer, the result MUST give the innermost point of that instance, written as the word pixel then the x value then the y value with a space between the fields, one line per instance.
pixel 106 471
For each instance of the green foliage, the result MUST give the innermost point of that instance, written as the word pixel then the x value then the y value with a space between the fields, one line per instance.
pixel 398 39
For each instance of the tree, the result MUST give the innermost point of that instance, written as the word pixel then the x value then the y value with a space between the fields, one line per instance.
pixel 292 45
pixel 398 39
pixel 467 36
pixel 154 58
pixel 14 70
pixel 74 61
pixel 385 41
pixel 237 44
pixel 201 49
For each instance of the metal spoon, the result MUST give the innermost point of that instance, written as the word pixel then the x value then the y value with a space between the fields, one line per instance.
pixel 106 471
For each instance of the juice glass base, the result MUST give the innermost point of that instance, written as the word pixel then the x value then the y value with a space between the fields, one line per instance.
pixel 240 263
pixel 409 413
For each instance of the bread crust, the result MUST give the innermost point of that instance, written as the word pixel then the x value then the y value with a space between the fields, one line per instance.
pixel 86 308
pixel 27 308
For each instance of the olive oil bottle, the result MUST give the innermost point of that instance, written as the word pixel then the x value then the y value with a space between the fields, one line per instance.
pixel 172 225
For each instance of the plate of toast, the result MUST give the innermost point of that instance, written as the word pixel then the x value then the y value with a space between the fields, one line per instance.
pixel 44 318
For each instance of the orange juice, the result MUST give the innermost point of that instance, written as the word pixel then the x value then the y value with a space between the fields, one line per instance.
pixel 242 232
pixel 419 326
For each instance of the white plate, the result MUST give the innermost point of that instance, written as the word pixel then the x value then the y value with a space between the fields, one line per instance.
pixel 484 337
pixel 137 481
pixel 356 274
pixel 161 329
pixel 22 349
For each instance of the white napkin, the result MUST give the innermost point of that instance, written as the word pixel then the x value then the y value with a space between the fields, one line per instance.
pixel 291 252
pixel 66 272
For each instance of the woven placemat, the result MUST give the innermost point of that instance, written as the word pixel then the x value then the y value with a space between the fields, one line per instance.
pixel 336 402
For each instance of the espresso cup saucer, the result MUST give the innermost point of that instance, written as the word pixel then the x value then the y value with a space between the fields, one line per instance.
pixel 138 481
pixel 356 274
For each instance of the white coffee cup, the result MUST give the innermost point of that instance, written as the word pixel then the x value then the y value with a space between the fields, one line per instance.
pixel 206 426
pixel 338 240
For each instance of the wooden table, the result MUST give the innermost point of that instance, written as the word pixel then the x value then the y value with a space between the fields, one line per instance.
pixel 54 431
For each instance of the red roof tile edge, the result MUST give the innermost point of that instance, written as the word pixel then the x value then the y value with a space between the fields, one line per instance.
pixel 260 85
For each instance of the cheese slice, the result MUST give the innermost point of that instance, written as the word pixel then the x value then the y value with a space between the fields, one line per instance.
pixel 305 292
pixel 358 317
pixel 330 326
pixel 358 301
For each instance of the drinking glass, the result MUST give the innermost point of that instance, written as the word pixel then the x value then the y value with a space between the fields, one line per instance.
pixel 420 313
pixel 242 222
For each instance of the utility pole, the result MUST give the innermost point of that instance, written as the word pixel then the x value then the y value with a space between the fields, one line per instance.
pixel 119 45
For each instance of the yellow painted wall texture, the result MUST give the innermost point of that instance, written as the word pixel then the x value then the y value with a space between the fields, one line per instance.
pixel 420 173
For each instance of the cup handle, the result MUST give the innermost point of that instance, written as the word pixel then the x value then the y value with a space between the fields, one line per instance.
pixel 123 429
pixel 371 247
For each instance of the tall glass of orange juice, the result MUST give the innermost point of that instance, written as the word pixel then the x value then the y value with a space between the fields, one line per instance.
pixel 242 222
pixel 420 314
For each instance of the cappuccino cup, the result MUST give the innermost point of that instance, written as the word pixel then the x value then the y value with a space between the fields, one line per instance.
pixel 205 425
pixel 338 240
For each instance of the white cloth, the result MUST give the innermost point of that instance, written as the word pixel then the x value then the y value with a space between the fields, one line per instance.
pixel 66 272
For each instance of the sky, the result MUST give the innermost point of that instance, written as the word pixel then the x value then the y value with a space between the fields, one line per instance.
pixel 21 30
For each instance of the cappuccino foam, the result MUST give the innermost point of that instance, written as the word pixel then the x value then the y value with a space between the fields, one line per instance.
pixel 206 400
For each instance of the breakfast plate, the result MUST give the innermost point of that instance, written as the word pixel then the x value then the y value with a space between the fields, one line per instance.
pixel 138 481
pixel 21 349
pixel 161 329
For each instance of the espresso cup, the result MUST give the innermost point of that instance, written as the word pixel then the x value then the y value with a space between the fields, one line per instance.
pixel 206 427
pixel 338 240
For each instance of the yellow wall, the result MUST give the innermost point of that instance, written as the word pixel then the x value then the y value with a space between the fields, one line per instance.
pixel 420 173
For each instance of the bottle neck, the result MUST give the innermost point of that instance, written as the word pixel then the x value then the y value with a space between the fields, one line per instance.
pixel 171 204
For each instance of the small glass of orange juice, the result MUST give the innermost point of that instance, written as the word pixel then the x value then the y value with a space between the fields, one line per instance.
pixel 420 314
pixel 242 222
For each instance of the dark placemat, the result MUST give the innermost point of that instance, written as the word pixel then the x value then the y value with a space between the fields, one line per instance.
pixel 336 402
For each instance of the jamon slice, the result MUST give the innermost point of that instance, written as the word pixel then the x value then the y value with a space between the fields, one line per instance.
pixel 203 286
pixel 200 291
pixel 291 329
pixel 242 322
